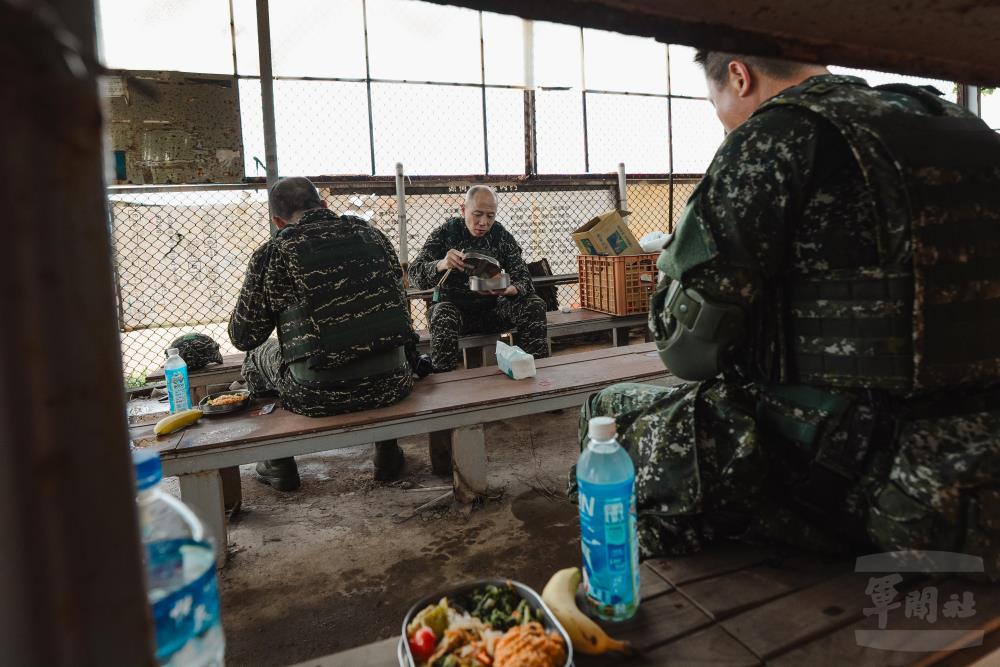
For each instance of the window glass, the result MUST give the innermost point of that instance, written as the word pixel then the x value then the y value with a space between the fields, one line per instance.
pixel 622 62
pixel 990 107
pixel 559 131
pixel 557 55
pixel 697 135
pixel 505 130
pixel 629 129
pixel 503 49
pixel 686 76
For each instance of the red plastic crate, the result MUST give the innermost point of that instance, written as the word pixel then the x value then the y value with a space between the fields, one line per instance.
pixel 617 285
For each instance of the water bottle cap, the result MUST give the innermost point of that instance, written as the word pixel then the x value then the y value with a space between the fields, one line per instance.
pixel 173 352
pixel 148 471
pixel 602 428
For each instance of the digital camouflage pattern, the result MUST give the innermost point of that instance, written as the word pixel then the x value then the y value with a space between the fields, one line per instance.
pixel 270 289
pixel 761 453
pixel 462 311
pixel 197 350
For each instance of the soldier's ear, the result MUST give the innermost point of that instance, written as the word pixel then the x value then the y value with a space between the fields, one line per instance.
pixel 740 78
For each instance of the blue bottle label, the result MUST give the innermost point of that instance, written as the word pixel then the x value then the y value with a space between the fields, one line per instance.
pixel 178 389
pixel 189 610
pixel 610 551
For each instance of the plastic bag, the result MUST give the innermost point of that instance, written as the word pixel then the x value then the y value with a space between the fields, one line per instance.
pixel 514 362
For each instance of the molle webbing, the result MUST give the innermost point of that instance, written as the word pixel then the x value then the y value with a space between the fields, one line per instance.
pixel 853 331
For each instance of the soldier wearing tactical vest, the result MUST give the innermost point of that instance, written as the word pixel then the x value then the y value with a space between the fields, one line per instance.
pixel 332 287
pixel 833 292
pixel 460 310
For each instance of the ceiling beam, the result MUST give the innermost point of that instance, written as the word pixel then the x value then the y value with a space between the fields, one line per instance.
pixel 956 40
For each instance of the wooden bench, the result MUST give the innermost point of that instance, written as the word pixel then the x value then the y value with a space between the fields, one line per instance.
pixel 218 377
pixel 737 605
pixel 456 404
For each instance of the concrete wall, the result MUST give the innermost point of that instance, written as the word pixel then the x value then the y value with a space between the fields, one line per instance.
pixel 175 127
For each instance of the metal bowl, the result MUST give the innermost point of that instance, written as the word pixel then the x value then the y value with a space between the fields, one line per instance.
pixel 481 266
pixel 212 410
pixel 534 599
pixel 499 282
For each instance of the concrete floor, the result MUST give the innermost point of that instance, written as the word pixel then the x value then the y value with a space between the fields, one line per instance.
pixel 336 564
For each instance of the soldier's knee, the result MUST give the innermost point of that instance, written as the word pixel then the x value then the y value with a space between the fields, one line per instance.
pixel 533 307
pixel 445 314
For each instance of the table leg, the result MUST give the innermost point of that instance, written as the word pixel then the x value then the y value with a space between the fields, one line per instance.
pixel 473 357
pixel 232 489
pixel 619 336
pixel 468 457
pixel 202 492
pixel 440 451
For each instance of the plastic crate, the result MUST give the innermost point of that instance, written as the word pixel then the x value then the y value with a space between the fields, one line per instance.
pixel 617 285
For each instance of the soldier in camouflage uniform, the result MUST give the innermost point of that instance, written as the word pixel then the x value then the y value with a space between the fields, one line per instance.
pixel 832 286
pixel 197 350
pixel 462 311
pixel 332 287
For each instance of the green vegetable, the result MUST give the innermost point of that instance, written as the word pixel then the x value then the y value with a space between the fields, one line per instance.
pixel 434 617
pixel 500 606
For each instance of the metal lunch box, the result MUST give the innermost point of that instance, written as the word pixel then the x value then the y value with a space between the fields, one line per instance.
pixel 481 266
pixel 533 598
pixel 499 282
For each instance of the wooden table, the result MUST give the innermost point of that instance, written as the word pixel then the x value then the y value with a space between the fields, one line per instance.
pixel 742 605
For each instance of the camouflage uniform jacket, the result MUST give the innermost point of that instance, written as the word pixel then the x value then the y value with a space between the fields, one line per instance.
pixel 497 243
pixel 268 290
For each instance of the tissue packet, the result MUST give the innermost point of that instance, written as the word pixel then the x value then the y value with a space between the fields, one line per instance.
pixel 514 362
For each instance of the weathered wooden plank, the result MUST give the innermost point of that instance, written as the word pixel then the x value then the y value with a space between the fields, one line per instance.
pixel 731 593
pixel 378 654
pixel 712 562
pixel 779 626
pixel 659 620
pixel 842 646
pixel 710 647
pixel 651 584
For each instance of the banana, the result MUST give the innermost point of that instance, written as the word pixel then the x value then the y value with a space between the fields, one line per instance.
pixel 588 637
pixel 177 421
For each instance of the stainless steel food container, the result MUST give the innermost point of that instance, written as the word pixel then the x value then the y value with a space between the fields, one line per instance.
pixel 501 281
pixel 533 598
pixel 482 266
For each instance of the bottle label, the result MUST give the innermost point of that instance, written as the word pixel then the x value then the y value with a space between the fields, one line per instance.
pixel 178 389
pixel 184 594
pixel 608 538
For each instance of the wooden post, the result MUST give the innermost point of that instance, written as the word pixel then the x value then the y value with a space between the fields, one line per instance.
pixel 468 458
pixel 70 557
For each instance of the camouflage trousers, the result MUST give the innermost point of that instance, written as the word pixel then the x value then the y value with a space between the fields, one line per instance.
pixel 708 470
pixel 264 372
pixel 449 321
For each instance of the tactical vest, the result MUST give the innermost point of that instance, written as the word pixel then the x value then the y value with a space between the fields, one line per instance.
pixel 927 317
pixel 352 317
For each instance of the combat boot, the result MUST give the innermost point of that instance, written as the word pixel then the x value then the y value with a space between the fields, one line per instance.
pixel 281 474
pixel 389 460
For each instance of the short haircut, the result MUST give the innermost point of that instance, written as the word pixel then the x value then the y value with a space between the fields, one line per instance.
pixel 471 193
pixel 716 64
pixel 293 195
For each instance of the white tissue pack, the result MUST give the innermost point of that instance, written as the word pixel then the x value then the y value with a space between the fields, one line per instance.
pixel 514 362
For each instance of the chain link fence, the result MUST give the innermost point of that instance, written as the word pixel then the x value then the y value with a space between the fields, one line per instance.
pixel 181 251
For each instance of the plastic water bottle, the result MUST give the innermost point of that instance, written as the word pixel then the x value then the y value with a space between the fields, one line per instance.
pixel 180 573
pixel 606 482
pixel 175 372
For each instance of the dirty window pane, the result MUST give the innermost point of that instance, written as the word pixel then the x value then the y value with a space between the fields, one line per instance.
pixel 875 78
pixel 990 108
pixel 180 35
pixel 321 38
pixel 418 41
pixel 322 128
pixel 430 129
pixel 622 62
pixel 503 49
pixel 629 129
pixel 505 130
pixel 686 76
pixel 557 55
pixel 559 131
pixel 697 135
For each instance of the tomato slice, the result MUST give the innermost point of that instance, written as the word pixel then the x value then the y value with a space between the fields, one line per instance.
pixel 422 644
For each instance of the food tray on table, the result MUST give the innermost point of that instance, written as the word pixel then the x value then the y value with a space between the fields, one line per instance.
pixel 459 595
pixel 228 407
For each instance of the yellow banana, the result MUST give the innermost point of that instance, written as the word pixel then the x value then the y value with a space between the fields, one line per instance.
pixel 588 637
pixel 176 421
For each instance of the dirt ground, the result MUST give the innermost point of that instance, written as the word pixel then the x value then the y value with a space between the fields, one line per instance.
pixel 336 564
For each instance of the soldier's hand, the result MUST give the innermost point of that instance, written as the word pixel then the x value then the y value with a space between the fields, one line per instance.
pixel 510 291
pixel 453 260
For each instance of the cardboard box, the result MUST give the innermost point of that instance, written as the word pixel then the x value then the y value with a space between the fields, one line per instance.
pixel 607 234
